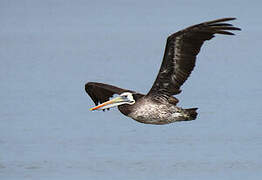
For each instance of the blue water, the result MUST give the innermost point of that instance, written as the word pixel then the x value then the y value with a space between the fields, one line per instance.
pixel 50 49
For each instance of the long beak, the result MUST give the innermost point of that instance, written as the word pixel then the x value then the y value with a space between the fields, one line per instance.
pixel 111 103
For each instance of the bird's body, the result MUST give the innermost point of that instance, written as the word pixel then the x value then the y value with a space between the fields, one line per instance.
pixel 158 106
pixel 151 111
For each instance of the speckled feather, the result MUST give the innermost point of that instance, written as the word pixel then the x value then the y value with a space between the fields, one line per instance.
pixel 150 111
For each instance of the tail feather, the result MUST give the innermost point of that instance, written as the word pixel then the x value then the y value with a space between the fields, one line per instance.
pixel 191 112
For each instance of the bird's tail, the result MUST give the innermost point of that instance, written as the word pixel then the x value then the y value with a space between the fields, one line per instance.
pixel 191 113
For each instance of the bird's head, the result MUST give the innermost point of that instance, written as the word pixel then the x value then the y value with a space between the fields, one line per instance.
pixel 124 98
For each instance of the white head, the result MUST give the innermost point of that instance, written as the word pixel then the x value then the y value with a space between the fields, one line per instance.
pixel 129 97
pixel 124 98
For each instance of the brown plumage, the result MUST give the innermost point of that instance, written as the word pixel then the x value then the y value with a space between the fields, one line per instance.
pixel 181 50
pixel 158 106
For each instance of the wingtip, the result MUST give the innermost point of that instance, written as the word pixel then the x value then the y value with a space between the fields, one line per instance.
pixel 229 18
pixel 221 20
pixel 232 18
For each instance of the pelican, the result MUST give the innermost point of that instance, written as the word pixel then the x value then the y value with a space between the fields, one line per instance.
pixel 158 106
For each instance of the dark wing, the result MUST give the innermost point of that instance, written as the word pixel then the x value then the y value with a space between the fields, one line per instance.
pixel 100 92
pixel 181 50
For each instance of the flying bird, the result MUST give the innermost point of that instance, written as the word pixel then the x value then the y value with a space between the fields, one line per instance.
pixel 158 106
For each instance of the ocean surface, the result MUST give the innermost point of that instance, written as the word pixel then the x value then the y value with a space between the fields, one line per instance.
pixel 50 49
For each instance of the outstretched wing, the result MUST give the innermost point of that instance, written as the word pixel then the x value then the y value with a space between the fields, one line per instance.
pixel 100 92
pixel 181 50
